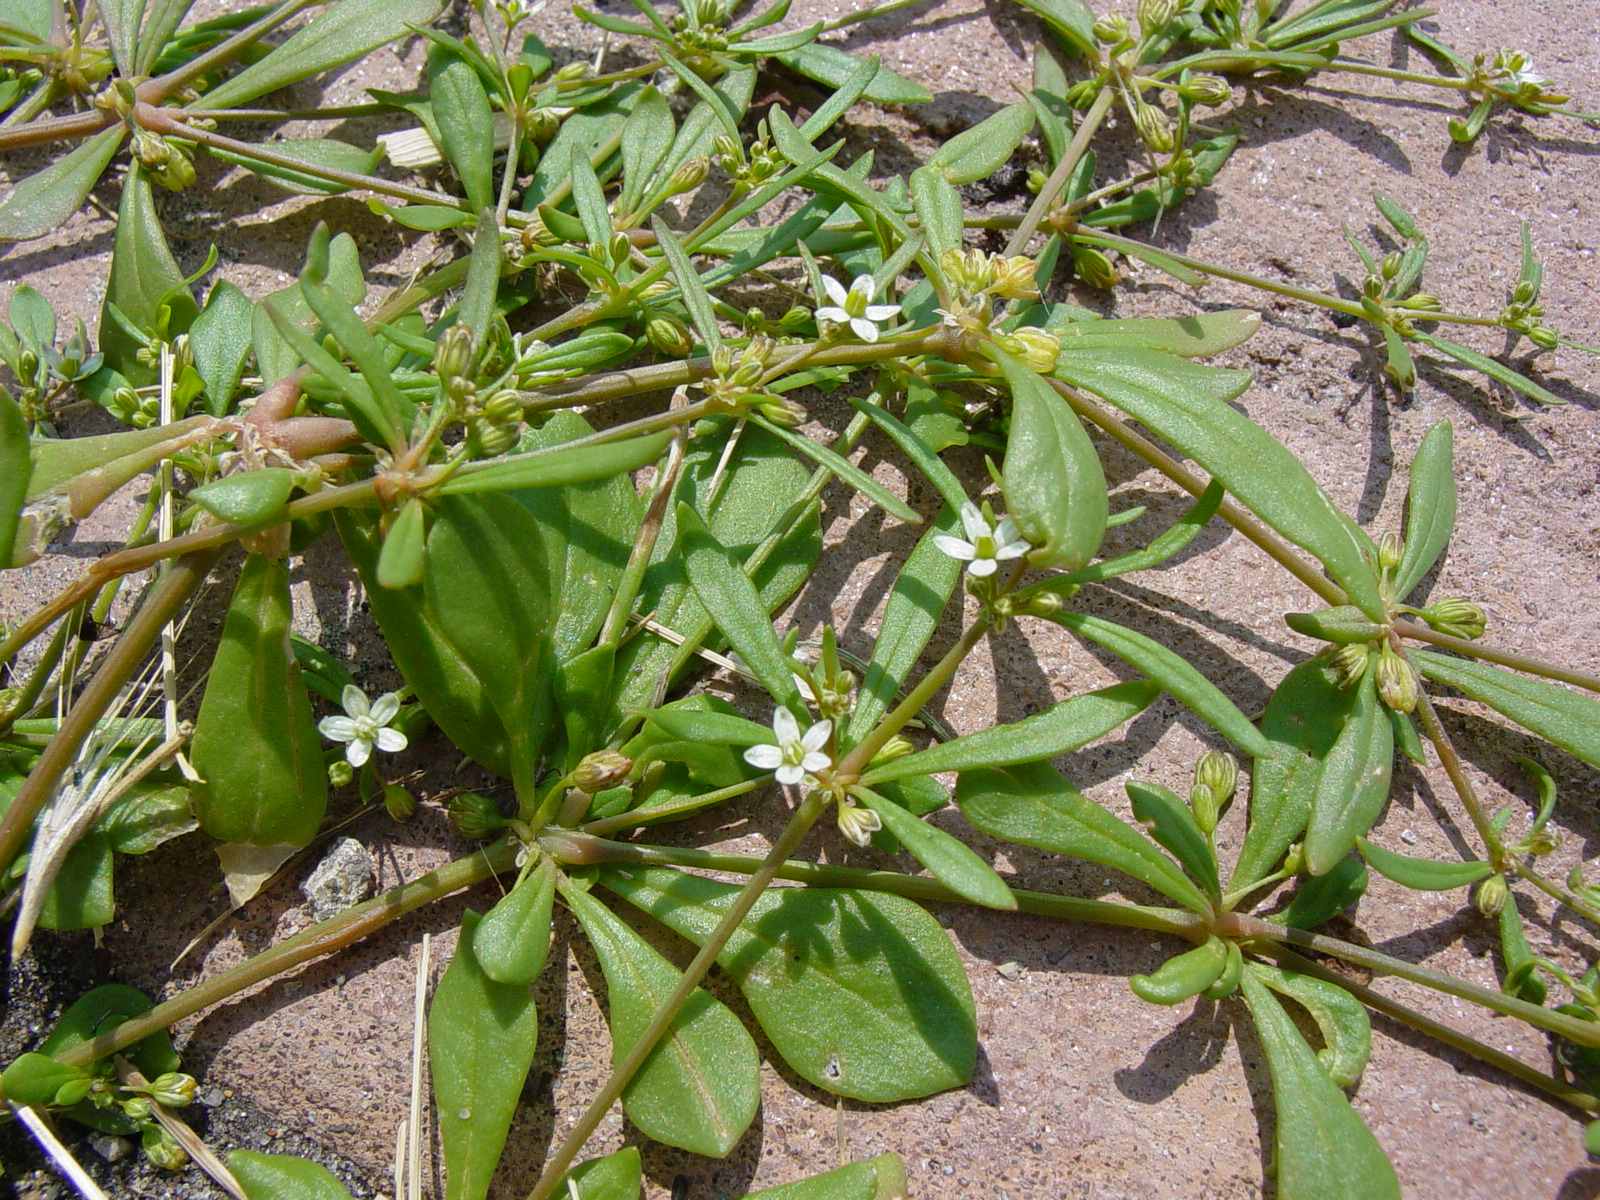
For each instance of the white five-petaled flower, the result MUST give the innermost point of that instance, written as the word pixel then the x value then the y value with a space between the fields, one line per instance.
pixel 795 754
pixel 987 546
pixel 364 725
pixel 854 307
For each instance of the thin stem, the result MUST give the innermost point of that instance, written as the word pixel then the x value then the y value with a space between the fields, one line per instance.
pixel 1505 658
pixel 1556 892
pixel 681 808
pixel 326 937
pixel 1378 1002
pixel 1046 198
pixel 867 14
pixel 1192 482
pixel 799 824
pixel 1459 780
pixel 157 90
pixel 161 604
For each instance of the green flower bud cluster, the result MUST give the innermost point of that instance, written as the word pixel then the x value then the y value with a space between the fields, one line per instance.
pixel 601 770
pixel 167 160
pixel 1155 128
pixel 1216 777
pixel 1155 15
pixel 142 412
pixel 1039 348
pixel 736 382
pixel 1111 29
pixel 476 816
pixel 1456 616
pixel 748 169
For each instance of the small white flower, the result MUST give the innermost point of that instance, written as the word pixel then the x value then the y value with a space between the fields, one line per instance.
pixel 854 307
pixel 795 755
pixel 364 725
pixel 987 546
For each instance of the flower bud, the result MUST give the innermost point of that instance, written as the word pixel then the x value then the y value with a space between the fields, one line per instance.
pixel 895 747
pixel 137 1108
pixel 10 703
pixel 452 353
pixel 1046 604
pixel 475 816
pixel 781 410
pixel 689 176
pixel 1155 15
pixel 1039 348
pixel 1424 302
pixel 1015 278
pixel 1542 842
pixel 858 824
pixel 1390 267
pixel 1295 860
pixel 174 1089
pixel 669 335
pixel 1219 771
pixel 151 149
pixel 1457 616
pixel 1203 803
pixel 1544 337
pixel 398 802
pixel 1110 28
pixel 1491 895
pixel 486 439
pixel 601 770
pixel 1209 90
pixel 1391 550
pixel 1575 879
pixel 340 773
pixel 574 71
pixel 1155 128
pixel 1351 662
pixel 1397 682
pixel 1094 268
pixel 161 1148
pixel 503 407
pixel 536 234
pixel 1526 293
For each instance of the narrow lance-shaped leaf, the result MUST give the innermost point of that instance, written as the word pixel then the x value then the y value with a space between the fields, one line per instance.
pixel 144 279
pixel 16 465
pixel 339 34
pixel 481 1039
pixel 1564 718
pixel 695 297
pixel 464 125
pixel 1424 874
pixel 950 860
pixel 1173 826
pixel 700 1087
pixel 862 993
pixel 284 1177
pixel 483 279
pixel 1034 805
pixel 1354 782
pixel 1324 1150
pixel 845 470
pixel 881 1178
pixel 43 201
pixel 1062 728
pixel 729 596
pixel 256 744
pixel 513 940
pixel 220 341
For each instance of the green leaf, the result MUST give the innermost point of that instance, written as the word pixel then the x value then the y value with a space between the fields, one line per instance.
pixel 1054 486
pixel 1064 727
pixel 1341 1018
pixel 835 67
pixel 646 137
pixel 481 1039
pixel 513 940
pixel 938 208
pixel 256 744
pixel 463 126
pixel 1424 874
pixel 617 1176
pixel 43 201
pixel 950 861
pixel 917 449
pixel 451 691
pixel 881 1178
pixel 1071 20
pixel 314 152
pixel 1302 721
pixel 1174 673
pixel 862 993
pixel 1324 1150
pixel 151 814
pixel 979 152
pixel 728 594
pixel 1494 369
pixel 844 469
pixel 917 601
pixel 701 1086
pixel 1321 897
pixel 1430 508
pixel 36 1079
pixel 695 297
pixel 32 318
pixel 709 726
pixel 427 217
pixel 144 281
pixel 845 94
pixel 220 341
pixel 340 34
pixel 1266 477
pixel 1171 823
pixel 16 466
pixel 102 1009
pixel 400 562
pixel 477 306
pixel 387 409
pixel 1183 976
pixel 1564 718
pixel 1034 805
pixel 1354 782
pixel 283 1177
pixel 580 464
pixel 161 21
pixel 248 497
pixel 1199 336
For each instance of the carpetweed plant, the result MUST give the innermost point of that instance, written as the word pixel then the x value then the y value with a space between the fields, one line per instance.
pixel 578 456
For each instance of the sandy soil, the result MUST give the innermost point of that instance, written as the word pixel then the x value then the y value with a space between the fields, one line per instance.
pixel 1082 1090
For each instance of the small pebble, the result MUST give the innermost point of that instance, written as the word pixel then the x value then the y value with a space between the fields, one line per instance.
pixel 109 1147
pixel 341 880
pixel 1408 836
pixel 1010 970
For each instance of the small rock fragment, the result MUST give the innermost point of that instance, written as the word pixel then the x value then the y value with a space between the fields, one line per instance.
pixel 1010 970
pixel 341 880
pixel 109 1147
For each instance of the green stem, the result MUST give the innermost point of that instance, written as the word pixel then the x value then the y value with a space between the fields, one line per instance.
pixel 867 14
pixel 681 808
pixel 1378 1002
pixel 1556 892
pixel 1495 850
pixel 155 91
pixel 166 596
pixel 326 937
pixel 799 824
pixel 1045 200
pixel 1505 658
pixel 914 887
